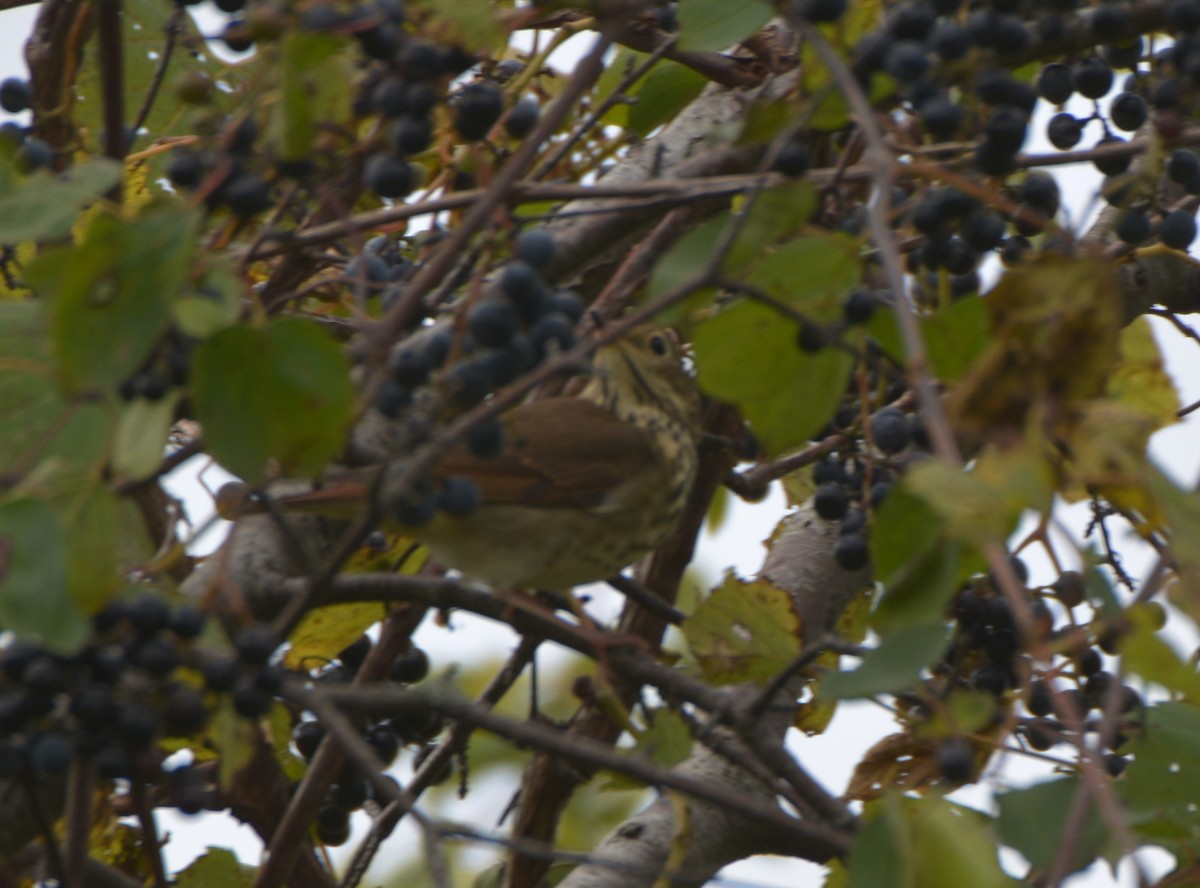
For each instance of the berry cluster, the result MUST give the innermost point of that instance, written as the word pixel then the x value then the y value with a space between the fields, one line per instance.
pixel 352 789
pixel 989 654
pixel 111 701
pixel 28 153
pixel 518 323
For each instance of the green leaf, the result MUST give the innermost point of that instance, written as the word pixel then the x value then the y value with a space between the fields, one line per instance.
pixel 1033 821
pixel 897 663
pixel 686 257
pixel 955 337
pixel 216 302
pixel 666 742
pixel 905 528
pixel 143 40
pixel 279 392
pixel 747 355
pixel 109 296
pixel 718 24
pixel 314 86
pixel 33 576
pixel 775 214
pixel 92 528
pixel 142 435
pixel 470 23
pixel 662 93
pixel 921 591
pixel 925 842
pixel 1159 786
pixel 812 273
pixel 46 205
pixel 1144 653
pixel 743 632
pixel 216 868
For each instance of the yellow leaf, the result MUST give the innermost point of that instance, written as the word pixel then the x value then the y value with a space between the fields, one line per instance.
pixel 1139 380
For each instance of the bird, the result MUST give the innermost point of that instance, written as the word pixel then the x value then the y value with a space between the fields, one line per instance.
pixel 583 486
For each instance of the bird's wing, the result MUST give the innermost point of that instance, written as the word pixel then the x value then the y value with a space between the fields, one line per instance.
pixel 558 452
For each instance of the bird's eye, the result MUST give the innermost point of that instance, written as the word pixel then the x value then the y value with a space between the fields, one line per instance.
pixel 658 344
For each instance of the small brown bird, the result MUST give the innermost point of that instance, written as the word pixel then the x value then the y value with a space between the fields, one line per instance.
pixel 584 485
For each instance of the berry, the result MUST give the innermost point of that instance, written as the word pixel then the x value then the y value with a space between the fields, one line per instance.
pixel 1040 700
pixel 912 21
pixel 1177 229
pixel 332 825
pixel 156 655
pixel 535 247
pixel 184 712
pixel 247 195
pixel 1183 166
pixel 1064 131
pixel 1184 15
pixel 828 470
pixel 950 40
pixel 137 723
pixel 416 726
pixel 859 307
pixel 1115 165
pixel 1093 77
pixel 388 175
pixel 411 667
pixel 1005 129
pixel 415 507
pixel 186 622
pixel 249 700
pixel 1125 55
pixel 552 333
pixel 384 741
pixel 236 36
pixel 567 303
pixel 486 438
pixel 15 95
pixel 148 614
pixel 1069 588
pixel 810 338
pixel 1109 21
pixel 477 108
pixel 411 134
pixel 350 795
pixel 308 736
pixel 392 398
pixel 941 118
pixel 906 61
pixel 460 497
pixel 794 158
pixel 519 281
pixel 522 117
pixel 1055 83
pixel 1040 191
pixel 184 169
pixel 1010 36
pixel 34 154
pixel 419 60
pixel 889 427
pixel 1128 111
pixel 493 323
pixel 1041 735
pixel 51 754
pixel 852 552
pixel 1134 227
pixel 220 673
pixel 255 644
pixel 991 678
pixel 818 11
pixel 983 230
pixel 353 654
pixel 830 501
pixel 955 760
